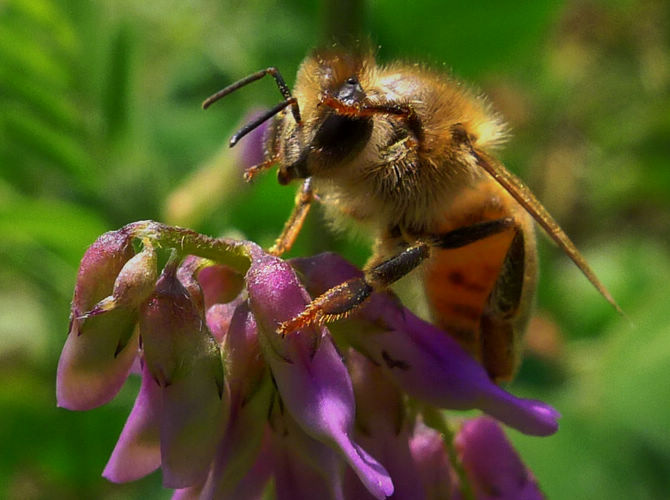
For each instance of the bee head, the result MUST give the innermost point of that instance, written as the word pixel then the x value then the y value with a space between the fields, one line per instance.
pixel 327 138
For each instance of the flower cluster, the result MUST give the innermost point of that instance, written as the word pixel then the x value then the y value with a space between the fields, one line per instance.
pixel 228 408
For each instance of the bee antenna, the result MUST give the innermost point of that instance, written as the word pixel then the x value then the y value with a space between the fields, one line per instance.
pixel 258 121
pixel 289 100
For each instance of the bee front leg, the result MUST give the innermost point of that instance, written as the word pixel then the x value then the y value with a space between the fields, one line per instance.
pixel 343 299
pixel 303 202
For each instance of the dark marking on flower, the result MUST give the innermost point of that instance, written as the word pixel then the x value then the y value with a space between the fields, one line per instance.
pixel 275 415
pixel 316 344
pixel 362 428
pixel 119 348
pixel 276 399
pixel 278 354
pixel 269 414
pixel 370 358
pixel 394 363
pixel 219 388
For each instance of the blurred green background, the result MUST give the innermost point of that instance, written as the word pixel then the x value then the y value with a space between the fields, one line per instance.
pixel 100 125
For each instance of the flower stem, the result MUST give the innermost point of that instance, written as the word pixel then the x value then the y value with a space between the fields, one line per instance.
pixel 232 253
pixel 437 420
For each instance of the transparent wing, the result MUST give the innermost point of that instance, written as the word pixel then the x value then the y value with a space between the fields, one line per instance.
pixel 515 187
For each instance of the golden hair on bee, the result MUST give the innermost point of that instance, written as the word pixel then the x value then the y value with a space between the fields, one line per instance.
pixel 407 151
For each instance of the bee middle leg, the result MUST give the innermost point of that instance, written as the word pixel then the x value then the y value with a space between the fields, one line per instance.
pixel 303 202
pixel 343 299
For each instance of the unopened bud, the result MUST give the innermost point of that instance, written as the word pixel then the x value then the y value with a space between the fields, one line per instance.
pixel 492 465
pixel 133 285
pixel 184 359
pixel 174 334
pixel 186 274
pixel 98 353
pixel 99 268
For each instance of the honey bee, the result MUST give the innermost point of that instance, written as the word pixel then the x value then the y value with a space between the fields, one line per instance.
pixel 406 152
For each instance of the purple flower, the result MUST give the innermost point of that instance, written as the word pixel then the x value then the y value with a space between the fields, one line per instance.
pixel 228 408
pixel 421 359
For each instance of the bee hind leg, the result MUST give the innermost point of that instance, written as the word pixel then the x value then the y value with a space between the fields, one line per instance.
pixel 345 298
pixel 506 311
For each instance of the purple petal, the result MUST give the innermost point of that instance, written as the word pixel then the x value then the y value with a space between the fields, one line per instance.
pixel 137 452
pixel 218 319
pixel 190 493
pixel 435 369
pixel 275 295
pixel 245 367
pixel 186 274
pixel 191 424
pixel 426 363
pixel 309 373
pixel 90 370
pixel 492 465
pixel 252 149
pixel 101 264
pixel 174 334
pixel 294 478
pixel 220 284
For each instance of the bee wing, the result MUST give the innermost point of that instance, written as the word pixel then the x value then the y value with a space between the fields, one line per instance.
pixel 515 187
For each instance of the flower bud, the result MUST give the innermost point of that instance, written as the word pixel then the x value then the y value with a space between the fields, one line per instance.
pixel 184 359
pixel 431 462
pixel 252 147
pixel 304 467
pixel 99 351
pixel 133 285
pixel 493 467
pixel 251 393
pixel 383 427
pixel 186 274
